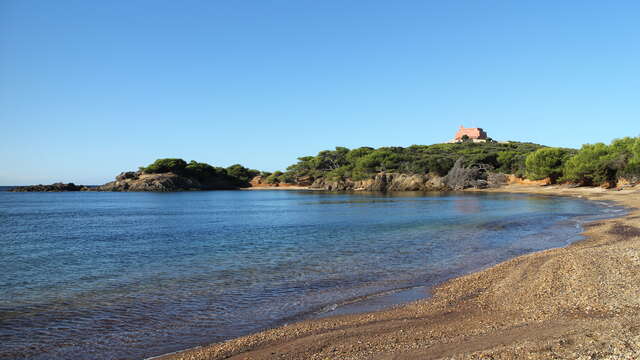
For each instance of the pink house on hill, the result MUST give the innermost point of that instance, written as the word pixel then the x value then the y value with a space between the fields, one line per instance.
pixel 474 134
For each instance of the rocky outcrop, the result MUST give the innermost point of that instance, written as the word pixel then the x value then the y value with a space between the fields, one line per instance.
pixel 259 181
pixel 56 187
pixel 384 182
pixel 304 181
pixel 513 179
pixel 497 179
pixel 170 182
pixel 164 182
pixel 137 181
pixel 627 183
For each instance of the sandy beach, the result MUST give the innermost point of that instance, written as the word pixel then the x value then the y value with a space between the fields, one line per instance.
pixel 577 302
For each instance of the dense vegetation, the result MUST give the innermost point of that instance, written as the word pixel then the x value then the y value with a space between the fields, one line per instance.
pixel 596 164
pixel 236 175
pixel 593 164
pixel 547 163
pixel 437 159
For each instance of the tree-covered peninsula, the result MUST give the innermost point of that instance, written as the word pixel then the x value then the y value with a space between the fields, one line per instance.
pixel 431 167
pixel 448 166
pixel 173 174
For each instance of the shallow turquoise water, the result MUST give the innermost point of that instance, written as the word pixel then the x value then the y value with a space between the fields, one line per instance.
pixel 131 275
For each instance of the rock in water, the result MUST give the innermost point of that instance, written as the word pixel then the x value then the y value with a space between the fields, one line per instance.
pixel 56 187
pixel 165 182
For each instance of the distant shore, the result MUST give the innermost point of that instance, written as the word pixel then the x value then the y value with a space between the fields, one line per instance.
pixel 284 187
pixel 578 301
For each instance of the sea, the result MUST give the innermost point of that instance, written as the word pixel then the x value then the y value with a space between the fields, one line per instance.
pixel 102 275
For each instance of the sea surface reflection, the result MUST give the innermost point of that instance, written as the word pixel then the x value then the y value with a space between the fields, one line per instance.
pixel 130 275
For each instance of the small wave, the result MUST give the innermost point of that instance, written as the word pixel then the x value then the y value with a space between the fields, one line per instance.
pixel 328 308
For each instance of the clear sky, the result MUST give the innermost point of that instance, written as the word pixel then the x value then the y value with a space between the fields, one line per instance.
pixel 92 88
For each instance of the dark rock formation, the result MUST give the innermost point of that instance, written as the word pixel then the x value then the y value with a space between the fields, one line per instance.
pixel 459 178
pixel 304 181
pixel 50 188
pixel 384 182
pixel 164 182
pixel 495 180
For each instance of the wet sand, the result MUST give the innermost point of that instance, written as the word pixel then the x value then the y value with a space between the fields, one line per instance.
pixel 577 302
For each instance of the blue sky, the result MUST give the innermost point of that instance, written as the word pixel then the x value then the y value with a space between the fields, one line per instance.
pixel 89 89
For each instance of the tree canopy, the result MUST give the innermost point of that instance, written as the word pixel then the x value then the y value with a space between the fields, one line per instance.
pixel 438 159
pixel 593 164
pixel 235 175
pixel 547 163
pixel 597 164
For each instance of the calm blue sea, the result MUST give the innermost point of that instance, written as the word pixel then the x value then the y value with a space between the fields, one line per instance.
pixel 87 275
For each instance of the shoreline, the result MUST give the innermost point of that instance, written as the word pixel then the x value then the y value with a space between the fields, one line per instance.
pixel 292 187
pixel 558 306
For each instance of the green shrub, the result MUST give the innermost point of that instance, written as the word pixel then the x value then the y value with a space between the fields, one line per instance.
pixel 592 165
pixel 209 176
pixel 165 165
pixel 625 158
pixel 241 175
pixel 546 163
pixel 274 178
pixel 632 170
pixel 204 172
